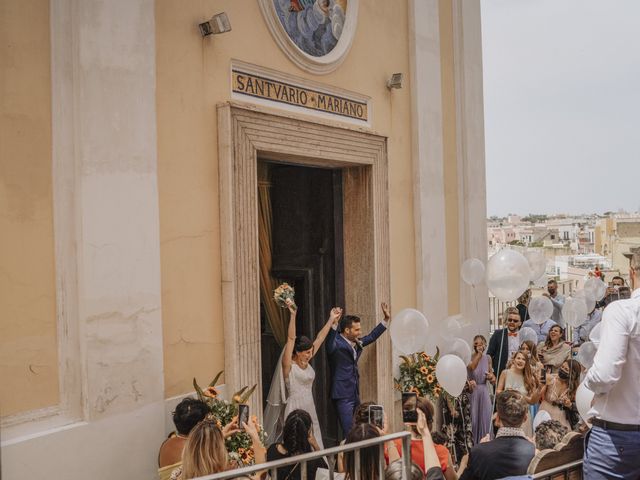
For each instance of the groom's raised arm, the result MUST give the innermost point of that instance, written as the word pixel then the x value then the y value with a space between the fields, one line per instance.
pixel 379 329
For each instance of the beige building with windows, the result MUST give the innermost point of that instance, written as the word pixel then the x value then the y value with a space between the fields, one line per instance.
pixel 140 162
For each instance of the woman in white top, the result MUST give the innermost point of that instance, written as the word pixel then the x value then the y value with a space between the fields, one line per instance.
pixel 519 377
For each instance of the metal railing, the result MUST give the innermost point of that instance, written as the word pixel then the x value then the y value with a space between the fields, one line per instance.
pixel 497 306
pixel 568 471
pixel 330 453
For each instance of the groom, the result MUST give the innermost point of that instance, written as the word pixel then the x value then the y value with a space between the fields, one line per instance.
pixel 344 351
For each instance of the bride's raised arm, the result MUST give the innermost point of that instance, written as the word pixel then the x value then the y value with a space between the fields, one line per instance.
pixel 334 317
pixel 291 340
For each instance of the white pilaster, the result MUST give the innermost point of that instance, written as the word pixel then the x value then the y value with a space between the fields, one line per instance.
pixel 107 249
pixel 474 305
pixel 428 168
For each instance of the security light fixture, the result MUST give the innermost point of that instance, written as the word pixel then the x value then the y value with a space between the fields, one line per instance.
pixel 219 23
pixel 395 81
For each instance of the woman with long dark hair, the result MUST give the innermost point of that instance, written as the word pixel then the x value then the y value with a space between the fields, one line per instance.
pixel 480 375
pixel 369 457
pixel 553 352
pixel 560 394
pixel 297 439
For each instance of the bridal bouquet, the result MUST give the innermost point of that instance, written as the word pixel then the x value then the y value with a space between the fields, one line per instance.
pixel 283 293
pixel 418 375
pixel 239 445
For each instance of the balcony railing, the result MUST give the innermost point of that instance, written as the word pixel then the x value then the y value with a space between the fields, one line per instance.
pixel 330 453
pixel 497 306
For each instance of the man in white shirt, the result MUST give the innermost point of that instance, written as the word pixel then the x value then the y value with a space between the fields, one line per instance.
pixel 612 447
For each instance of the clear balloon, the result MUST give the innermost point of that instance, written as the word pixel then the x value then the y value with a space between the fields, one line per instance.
pixel 595 289
pixel 595 333
pixel 508 274
pixel 584 397
pixel 409 331
pixel 537 263
pixel 472 271
pixel 452 327
pixel 574 311
pixel 528 333
pixel 540 309
pixel 451 373
pixel 589 301
pixel 459 348
pixel 542 281
pixel 586 354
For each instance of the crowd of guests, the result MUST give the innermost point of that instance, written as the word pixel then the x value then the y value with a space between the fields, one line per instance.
pixel 198 446
pixel 520 397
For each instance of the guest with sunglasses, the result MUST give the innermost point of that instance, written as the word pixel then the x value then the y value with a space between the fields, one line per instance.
pixel 505 342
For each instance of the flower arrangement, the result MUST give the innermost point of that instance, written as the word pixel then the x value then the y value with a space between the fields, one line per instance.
pixel 418 375
pixel 283 293
pixel 239 445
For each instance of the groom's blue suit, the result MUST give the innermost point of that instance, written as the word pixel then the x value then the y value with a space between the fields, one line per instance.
pixel 345 381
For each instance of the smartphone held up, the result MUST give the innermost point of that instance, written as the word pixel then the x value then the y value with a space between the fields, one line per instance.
pixel 409 405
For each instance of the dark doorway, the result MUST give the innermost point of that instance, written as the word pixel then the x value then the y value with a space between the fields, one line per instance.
pixel 307 253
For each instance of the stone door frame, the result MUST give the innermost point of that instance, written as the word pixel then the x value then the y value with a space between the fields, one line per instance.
pixel 244 132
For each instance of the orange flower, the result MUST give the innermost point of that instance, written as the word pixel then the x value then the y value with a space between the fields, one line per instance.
pixel 430 378
pixel 425 357
pixel 414 390
pixel 254 418
pixel 424 370
pixel 240 450
pixel 236 399
pixel 210 392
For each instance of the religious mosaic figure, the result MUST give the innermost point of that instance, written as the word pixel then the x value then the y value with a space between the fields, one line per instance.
pixel 314 26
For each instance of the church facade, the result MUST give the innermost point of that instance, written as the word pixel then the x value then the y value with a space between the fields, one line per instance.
pixel 164 166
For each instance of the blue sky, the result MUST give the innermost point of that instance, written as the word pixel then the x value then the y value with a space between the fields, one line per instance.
pixel 562 105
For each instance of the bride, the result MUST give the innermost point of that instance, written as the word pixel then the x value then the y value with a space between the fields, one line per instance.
pixel 295 373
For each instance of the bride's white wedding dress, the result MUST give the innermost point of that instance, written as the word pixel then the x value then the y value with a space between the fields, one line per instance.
pixel 300 388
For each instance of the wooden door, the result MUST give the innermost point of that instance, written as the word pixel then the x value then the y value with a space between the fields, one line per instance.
pixel 308 254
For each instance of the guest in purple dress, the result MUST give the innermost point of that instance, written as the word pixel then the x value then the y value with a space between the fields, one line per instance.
pixel 480 375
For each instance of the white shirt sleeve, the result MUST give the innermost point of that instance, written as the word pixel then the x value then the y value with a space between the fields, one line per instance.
pixel 612 351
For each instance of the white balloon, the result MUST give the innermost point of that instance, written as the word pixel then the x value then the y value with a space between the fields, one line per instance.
pixel 537 263
pixel 459 348
pixel 409 331
pixel 508 274
pixel 595 289
pixel 452 327
pixel 589 301
pixel 540 309
pixel 584 397
pixel 451 373
pixel 472 271
pixel 528 333
pixel 595 333
pixel 586 354
pixel 574 311
pixel 542 281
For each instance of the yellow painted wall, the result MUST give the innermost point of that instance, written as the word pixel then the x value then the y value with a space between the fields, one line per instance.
pixel 28 341
pixel 192 76
pixel 450 155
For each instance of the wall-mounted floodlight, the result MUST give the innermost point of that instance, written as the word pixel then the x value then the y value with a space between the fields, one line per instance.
pixel 395 81
pixel 219 23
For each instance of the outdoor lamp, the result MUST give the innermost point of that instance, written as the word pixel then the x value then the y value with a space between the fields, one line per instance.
pixel 395 81
pixel 219 23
